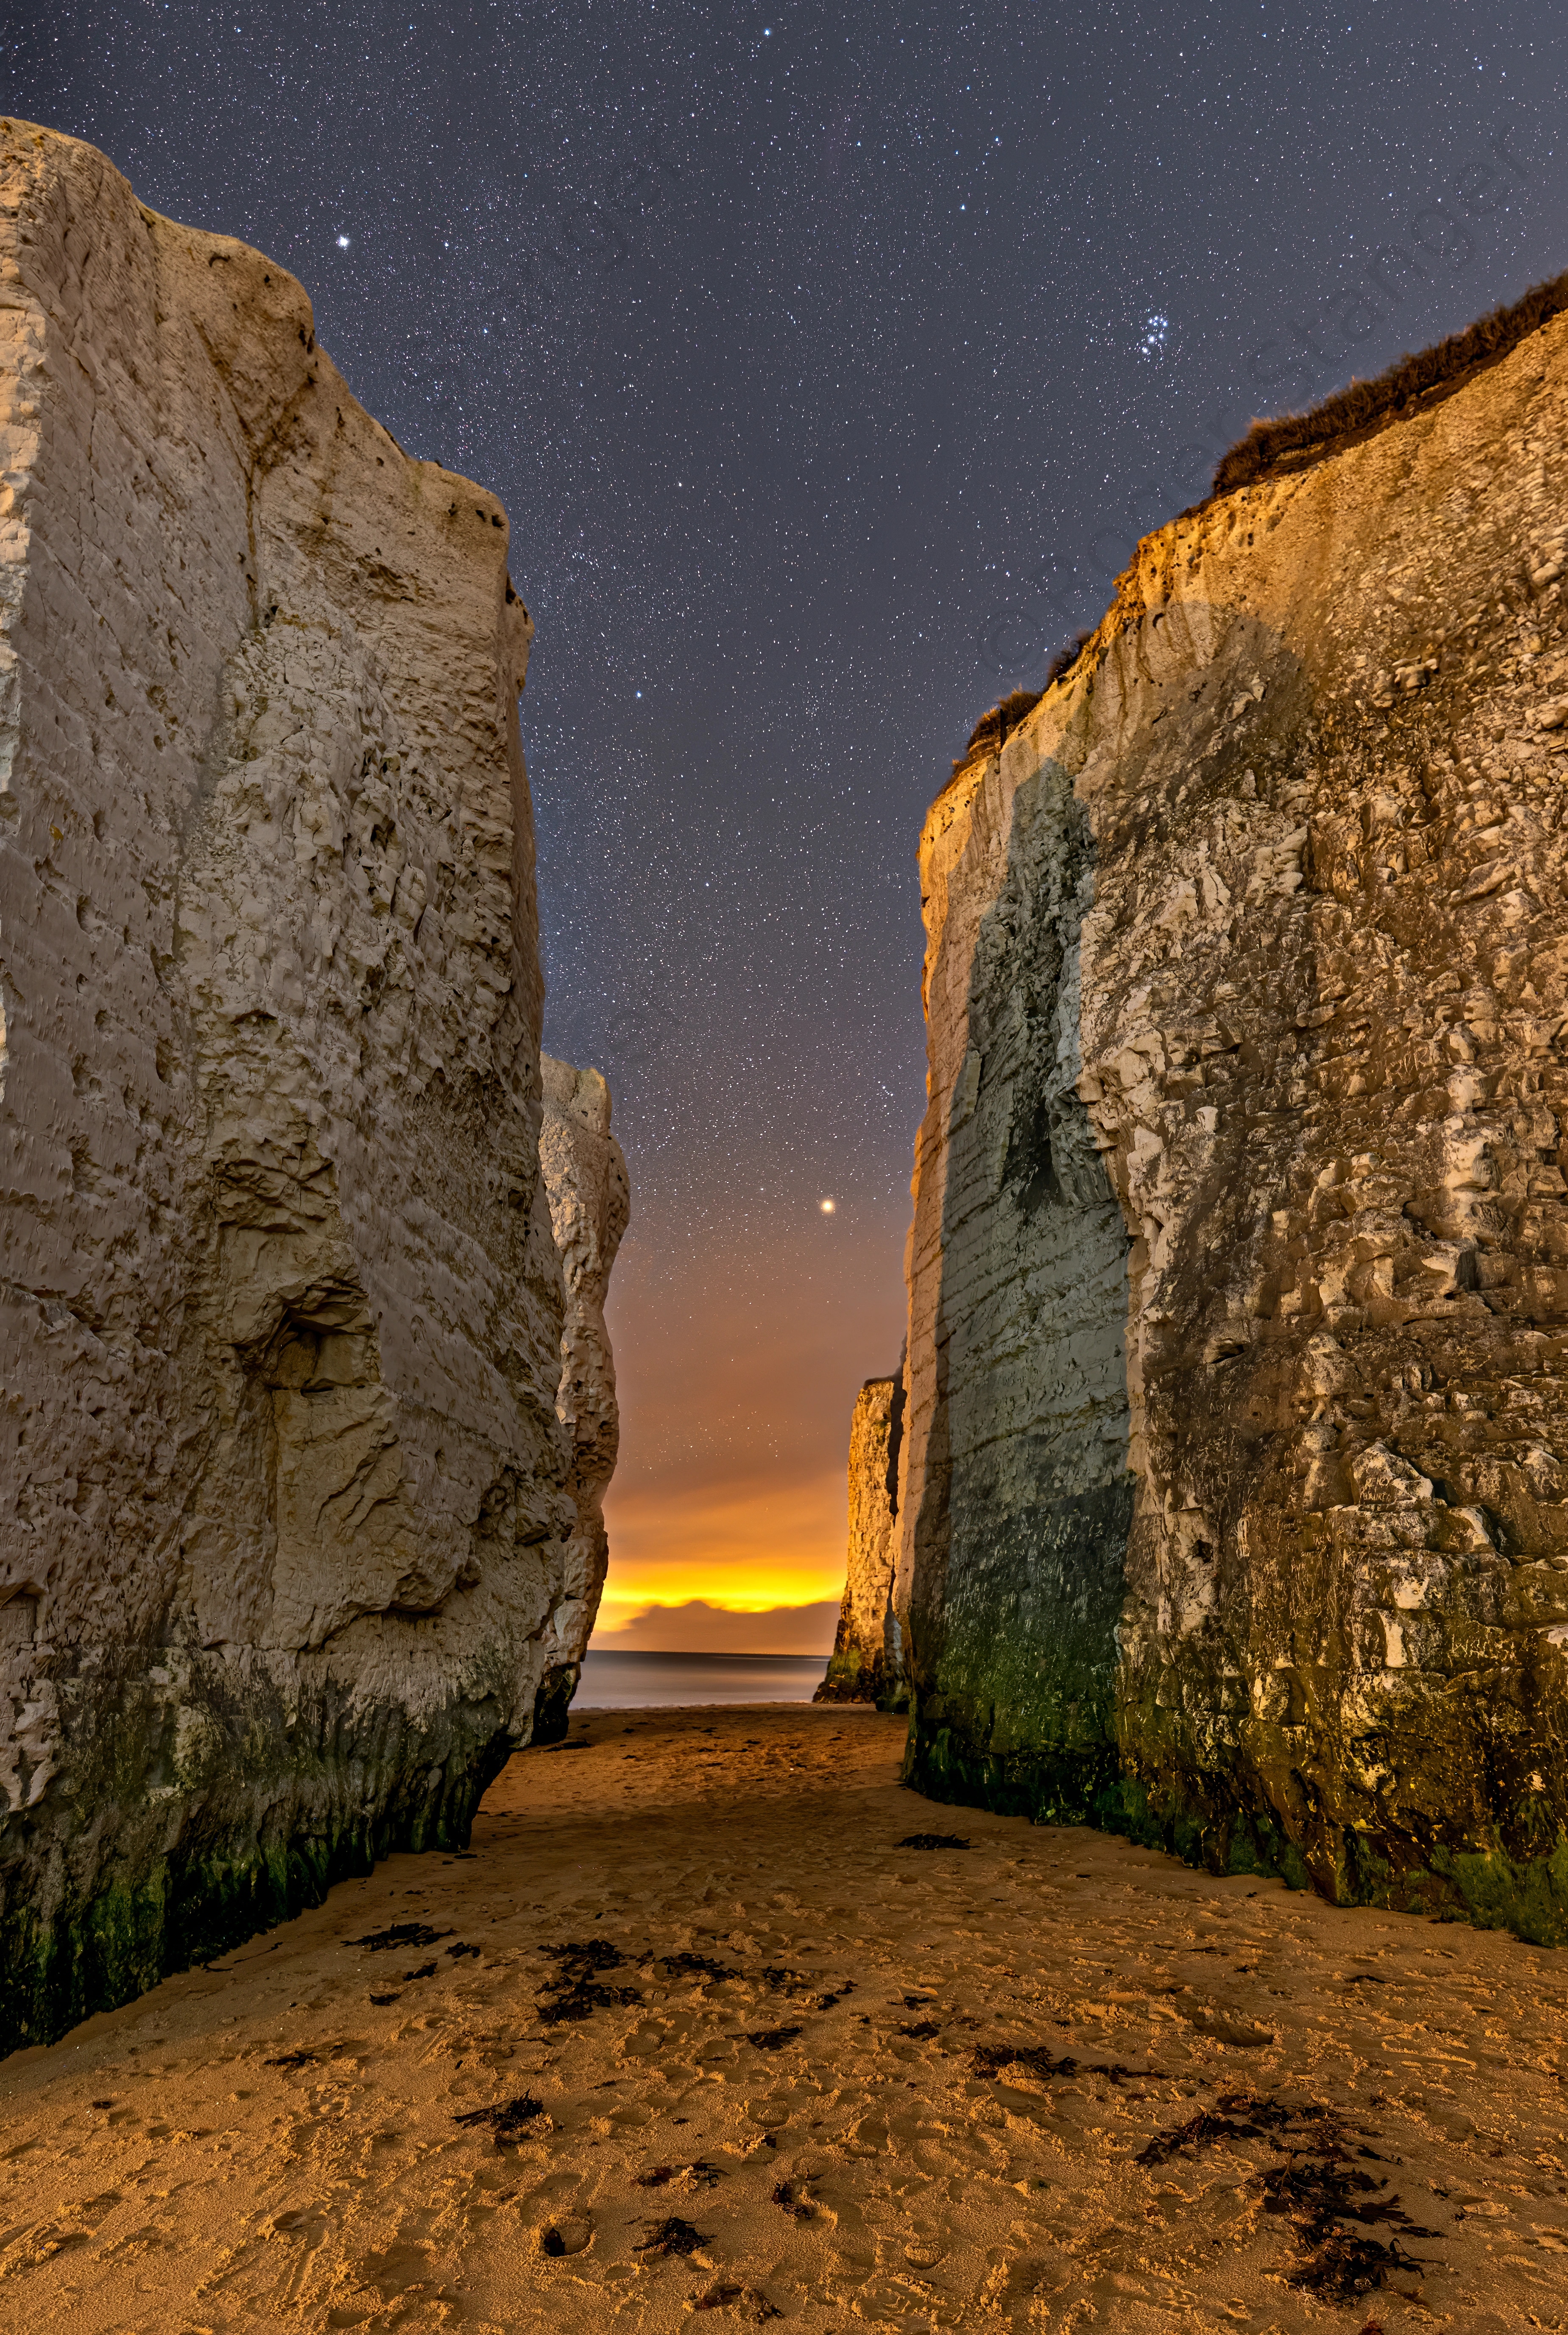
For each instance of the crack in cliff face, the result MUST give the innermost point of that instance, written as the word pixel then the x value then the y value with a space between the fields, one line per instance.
pixel 1256 919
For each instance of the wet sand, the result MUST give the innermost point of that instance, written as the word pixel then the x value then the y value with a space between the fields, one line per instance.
pixel 824 2099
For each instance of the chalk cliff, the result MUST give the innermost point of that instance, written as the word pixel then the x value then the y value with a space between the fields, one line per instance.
pixel 285 1521
pixel 865 1664
pixel 1233 1509
pixel 590 1203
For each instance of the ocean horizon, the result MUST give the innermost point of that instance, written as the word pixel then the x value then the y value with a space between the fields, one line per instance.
pixel 643 1681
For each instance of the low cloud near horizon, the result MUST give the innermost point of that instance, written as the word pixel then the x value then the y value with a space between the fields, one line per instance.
pixel 698 1628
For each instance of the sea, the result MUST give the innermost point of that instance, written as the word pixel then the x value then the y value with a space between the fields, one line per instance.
pixel 624 1681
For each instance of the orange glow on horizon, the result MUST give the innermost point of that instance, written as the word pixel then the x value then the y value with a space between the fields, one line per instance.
pixel 738 1358
pixel 746 1547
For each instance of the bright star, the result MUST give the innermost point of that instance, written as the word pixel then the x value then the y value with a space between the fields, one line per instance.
pixel 828 1206
pixel 343 243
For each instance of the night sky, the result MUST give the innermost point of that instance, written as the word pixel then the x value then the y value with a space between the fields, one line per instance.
pixel 828 365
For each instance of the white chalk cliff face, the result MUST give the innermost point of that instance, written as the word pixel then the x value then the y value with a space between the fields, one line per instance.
pixel 285 1523
pixel 865 1664
pixel 590 1203
pixel 1234 1501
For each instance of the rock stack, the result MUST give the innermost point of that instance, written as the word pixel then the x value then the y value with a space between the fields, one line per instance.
pixel 866 1664
pixel 590 1202
pixel 1233 1510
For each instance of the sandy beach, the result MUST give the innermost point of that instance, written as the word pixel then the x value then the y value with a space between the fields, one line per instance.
pixel 688 2031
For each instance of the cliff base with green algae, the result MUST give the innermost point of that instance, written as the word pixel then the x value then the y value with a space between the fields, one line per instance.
pixel 1014 1678
pixel 1523 1892
pixel 855 1676
pixel 201 1809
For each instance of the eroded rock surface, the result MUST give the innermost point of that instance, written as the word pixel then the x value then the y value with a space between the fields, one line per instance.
pixel 590 1203
pixel 866 1662
pixel 1233 1503
pixel 284 1510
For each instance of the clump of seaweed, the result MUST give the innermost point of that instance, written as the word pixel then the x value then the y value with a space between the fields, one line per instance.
pixel 1239 2117
pixel 1328 2200
pixel 773 2039
pixel 669 2236
pixel 400 1934
pixel 581 1999
pixel 779 1980
pixel 578 1956
pixel 506 2118
pixel 931 1840
pixel 577 1993
pixel 994 2058
pixel 695 1965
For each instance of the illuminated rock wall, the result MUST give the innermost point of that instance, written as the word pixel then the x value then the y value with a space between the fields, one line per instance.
pixel 1234 1502
pixel 284 1503
pixel 865 1664
pixel 590 1202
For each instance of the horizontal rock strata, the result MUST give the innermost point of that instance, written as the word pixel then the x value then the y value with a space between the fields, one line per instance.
pixel 283 1512
pixel 866 1664
pixel 590 1202
pixel 1234 1509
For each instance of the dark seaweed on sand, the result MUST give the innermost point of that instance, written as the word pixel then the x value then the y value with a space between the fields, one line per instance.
pixel 402 1934
pixel 996 2059
pixel 773 2039
pixel 581 2000
pixel 796 2207
pixel 581 1954
pixel 917 2029
pixel 669 2236
pixel 575 1993
pixel 1329 2203
pixel 1239 2119
pixel 696 1965
pixel 506 2118
pixel 778 1979
pixel 931 1840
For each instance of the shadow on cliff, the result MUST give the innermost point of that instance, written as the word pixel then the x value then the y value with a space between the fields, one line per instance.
pixel 1020 1536
pixel 1195 1656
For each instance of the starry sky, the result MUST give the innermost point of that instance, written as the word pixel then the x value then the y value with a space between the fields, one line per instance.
pixel 828 360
